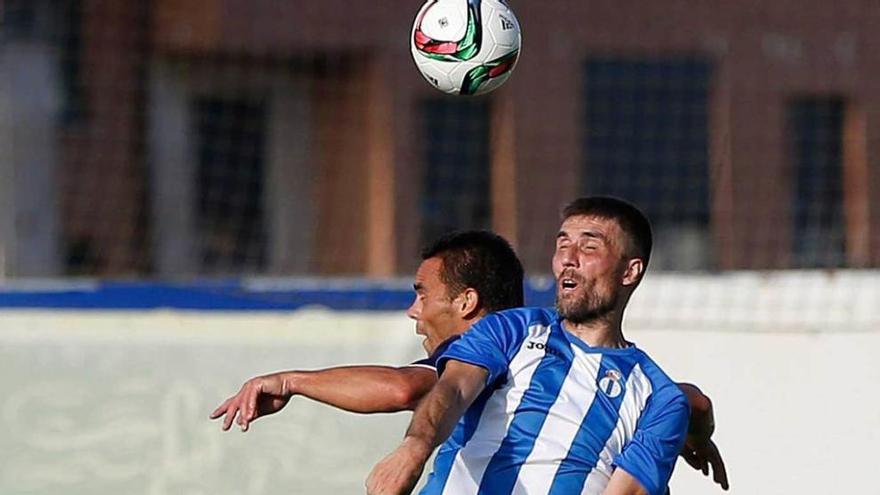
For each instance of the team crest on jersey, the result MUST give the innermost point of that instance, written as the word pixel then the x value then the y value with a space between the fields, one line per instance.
pixel 611 384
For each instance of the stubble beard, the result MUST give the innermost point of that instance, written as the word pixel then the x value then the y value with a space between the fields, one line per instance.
pixel 589 307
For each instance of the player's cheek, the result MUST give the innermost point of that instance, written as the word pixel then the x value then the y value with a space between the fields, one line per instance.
pixel 556 264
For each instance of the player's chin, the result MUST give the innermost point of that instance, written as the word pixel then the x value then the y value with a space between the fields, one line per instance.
pixel 570 306
pixel 568 298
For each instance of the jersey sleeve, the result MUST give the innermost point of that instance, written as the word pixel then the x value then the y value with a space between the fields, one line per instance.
pixel 660 434
pixel 488 344
pixel 431 361
pixel 428 362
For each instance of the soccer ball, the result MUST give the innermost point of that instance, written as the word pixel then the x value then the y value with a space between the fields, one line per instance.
pixel 465 47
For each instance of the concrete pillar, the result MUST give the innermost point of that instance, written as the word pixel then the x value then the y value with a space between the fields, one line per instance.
pixel 29 106
pixel 381 253
pixel 502 150
pixel 290 212
pixel 171 163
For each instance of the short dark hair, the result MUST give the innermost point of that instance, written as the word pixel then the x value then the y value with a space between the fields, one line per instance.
pixel 481 260
pixel 632 221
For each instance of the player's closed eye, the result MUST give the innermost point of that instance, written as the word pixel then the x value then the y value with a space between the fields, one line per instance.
pixel 590 245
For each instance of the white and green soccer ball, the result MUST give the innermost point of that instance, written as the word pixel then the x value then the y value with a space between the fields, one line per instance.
pixel 465 47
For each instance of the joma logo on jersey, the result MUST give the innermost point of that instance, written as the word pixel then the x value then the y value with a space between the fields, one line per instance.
pixel 611 384
pixel 544 347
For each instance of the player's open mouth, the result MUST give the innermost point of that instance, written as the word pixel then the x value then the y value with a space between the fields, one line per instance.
pixel 567 284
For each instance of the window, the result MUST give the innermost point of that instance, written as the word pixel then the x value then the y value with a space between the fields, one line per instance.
pixel 456 181
pixel 71 51
pixel 816 140
pixel 18 18
pixel 230 184
pixel 646 141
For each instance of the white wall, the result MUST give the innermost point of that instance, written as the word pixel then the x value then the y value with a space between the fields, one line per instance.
pixel 118 403
pixel 796 413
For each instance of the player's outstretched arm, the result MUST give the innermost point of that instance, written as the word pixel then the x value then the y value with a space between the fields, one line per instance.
pixel 362 389
pixel 432 422
pixel 365 389
pixel 699 451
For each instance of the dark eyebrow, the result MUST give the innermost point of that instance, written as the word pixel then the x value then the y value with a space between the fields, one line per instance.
pixel 595 235
pixel 586 233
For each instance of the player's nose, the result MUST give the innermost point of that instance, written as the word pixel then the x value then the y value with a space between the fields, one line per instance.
pixel 568 256
pixel 413 311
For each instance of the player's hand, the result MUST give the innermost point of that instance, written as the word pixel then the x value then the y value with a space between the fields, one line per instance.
pixel 701 453
pixel 398 473
pixel 258 397
pixel 699 450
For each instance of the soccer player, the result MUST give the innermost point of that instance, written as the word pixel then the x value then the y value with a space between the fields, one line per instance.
pixel 540 401
pixel 463 277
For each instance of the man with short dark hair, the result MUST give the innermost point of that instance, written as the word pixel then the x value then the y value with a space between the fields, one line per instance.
pixel 539 401
pixel 463 277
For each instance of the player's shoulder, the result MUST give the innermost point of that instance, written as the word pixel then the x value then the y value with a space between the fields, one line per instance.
pixel 661 382
pixel 524 317
pixel 513 325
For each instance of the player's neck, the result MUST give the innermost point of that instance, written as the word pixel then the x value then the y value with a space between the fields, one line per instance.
pixel 599 332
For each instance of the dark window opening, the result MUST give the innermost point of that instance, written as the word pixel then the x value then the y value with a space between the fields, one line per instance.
pixel 646 141
pixel 230 185
pixel 456 181
pixel 816 134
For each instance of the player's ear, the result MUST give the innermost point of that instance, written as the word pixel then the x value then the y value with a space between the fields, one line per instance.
pixel 635 268
pixel 469 302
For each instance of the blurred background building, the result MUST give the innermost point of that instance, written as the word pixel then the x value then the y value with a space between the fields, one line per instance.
pixel 193 192
pixel 170 138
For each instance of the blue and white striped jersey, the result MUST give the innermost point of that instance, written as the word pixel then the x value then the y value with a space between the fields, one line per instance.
pixel 557 416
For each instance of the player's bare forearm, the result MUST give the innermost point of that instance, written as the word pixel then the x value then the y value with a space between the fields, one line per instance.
pixel 441 409
pixel 432 422
pixel 623 483
pixel 364 389
pixel 702 421
pixel 699 451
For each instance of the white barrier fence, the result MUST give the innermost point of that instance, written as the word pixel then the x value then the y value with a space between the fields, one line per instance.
pixel 117 403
